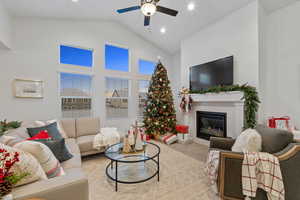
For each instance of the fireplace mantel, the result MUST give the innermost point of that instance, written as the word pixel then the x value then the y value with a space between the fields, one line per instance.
pixel 233 97
pixel 230 103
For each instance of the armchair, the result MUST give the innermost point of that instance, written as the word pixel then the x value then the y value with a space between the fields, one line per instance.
pixel 278 142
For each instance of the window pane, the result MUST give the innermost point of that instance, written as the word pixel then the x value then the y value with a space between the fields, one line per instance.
pixel 143 90
pixel 76 98
pixel 116 108
pixel 75 85
pixel 146 67
pixel 76 107
pixel 116 87
pixel 116 58
pixel 76 56
pixel 117 97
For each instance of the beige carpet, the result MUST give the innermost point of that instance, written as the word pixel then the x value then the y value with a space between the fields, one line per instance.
pixel 181 178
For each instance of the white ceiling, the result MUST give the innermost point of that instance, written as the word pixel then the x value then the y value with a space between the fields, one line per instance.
pixel 185 24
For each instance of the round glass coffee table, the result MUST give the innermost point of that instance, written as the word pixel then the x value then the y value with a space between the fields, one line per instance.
pixel 132 168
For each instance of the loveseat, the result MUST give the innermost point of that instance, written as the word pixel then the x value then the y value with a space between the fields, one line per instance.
pixel 277 142
pixel 79 134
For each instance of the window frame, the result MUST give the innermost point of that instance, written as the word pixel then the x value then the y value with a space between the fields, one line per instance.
pixel 138 98
pixel 73 66
pixel 119 46
pixel 128 97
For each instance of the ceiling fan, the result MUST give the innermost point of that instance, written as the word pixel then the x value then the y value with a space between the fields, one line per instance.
pixel 149 8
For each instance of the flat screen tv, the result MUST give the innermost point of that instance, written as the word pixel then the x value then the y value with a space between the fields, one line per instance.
pixel 215 73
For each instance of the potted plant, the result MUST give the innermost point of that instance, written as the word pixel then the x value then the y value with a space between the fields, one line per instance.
pixel 8 179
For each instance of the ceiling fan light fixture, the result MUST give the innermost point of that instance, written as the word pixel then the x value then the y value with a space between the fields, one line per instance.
pixel 148 9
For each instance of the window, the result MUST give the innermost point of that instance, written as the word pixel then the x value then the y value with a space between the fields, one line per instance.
pixel 76 95
pixel 76 56
pixel 146 67
pixel 143 90
pixel 117 97
pixel 116 58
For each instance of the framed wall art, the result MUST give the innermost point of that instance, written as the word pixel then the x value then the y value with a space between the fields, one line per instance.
pixel 28 88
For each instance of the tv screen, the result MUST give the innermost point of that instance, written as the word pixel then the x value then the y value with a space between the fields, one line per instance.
pixel 216 73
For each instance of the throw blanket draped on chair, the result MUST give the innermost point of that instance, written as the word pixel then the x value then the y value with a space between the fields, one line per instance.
pixel 212 167
pixel 262 170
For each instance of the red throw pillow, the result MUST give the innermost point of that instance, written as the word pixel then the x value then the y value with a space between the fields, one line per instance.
pixel 41 135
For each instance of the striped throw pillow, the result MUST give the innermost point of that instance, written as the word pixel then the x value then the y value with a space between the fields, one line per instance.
pixel 27 164
pixel 44 155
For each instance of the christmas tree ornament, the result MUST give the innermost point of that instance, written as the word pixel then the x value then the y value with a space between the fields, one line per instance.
pixel 126 145
pixel 138 143
pixel 131 137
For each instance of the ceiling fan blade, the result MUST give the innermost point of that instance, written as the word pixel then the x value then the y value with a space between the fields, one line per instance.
pixel 167 11
pixel 128 9
pixel 147 21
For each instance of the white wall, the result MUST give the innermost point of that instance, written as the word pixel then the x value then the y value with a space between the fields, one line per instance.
pixel 236 34
pixel 282 74
pixel 5 28
pixel 175 81
pixel 36 56
pixel 262 24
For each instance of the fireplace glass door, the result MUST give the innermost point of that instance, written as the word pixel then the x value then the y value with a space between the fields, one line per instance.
pixel 211 124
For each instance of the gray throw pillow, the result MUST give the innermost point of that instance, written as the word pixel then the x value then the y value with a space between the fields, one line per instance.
pixel 274 140
pixel 51 129
pixel 58 148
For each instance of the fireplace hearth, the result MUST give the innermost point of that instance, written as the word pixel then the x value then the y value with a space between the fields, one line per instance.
pixel 211 124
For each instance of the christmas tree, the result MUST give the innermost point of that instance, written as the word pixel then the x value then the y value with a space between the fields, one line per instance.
pixel 159 116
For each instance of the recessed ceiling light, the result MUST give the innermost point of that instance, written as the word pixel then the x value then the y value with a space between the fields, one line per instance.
pixel 191 6
pixel 75 1
pixel 163 30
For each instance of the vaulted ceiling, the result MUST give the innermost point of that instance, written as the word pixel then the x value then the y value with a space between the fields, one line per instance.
pixel 185 24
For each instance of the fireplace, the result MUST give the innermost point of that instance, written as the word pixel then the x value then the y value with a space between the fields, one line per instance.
pixel 211 124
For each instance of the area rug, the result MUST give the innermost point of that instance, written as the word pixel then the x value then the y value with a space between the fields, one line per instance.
pixel 181 178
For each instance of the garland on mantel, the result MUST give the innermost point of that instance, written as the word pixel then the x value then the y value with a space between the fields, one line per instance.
pixel 251 100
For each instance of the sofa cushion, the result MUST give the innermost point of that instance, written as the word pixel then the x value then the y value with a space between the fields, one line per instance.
pixel 274 140
pixel 85 143
pixel 20 132
pixel 75 161
pixel 10 140
pixel 51 129
pixel 59 127
pixel 58 148
pixel 87 126
pixel 69 127
pixel 44 155
pixel 41 135
pixel 26 164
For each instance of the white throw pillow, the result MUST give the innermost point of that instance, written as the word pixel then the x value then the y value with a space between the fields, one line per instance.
pixel 44 155
pixel 248 141
pixel 10 140
pixel 27 164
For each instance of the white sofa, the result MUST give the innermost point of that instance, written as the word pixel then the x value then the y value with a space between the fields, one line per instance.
pixel 73 185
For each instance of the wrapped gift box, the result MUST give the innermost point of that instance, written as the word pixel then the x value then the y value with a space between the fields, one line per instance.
pixel 169 139
pixel 182 129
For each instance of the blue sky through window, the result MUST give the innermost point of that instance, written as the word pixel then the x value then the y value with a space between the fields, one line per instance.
pixel 146 67
pixel 116 58
pixel 76 56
